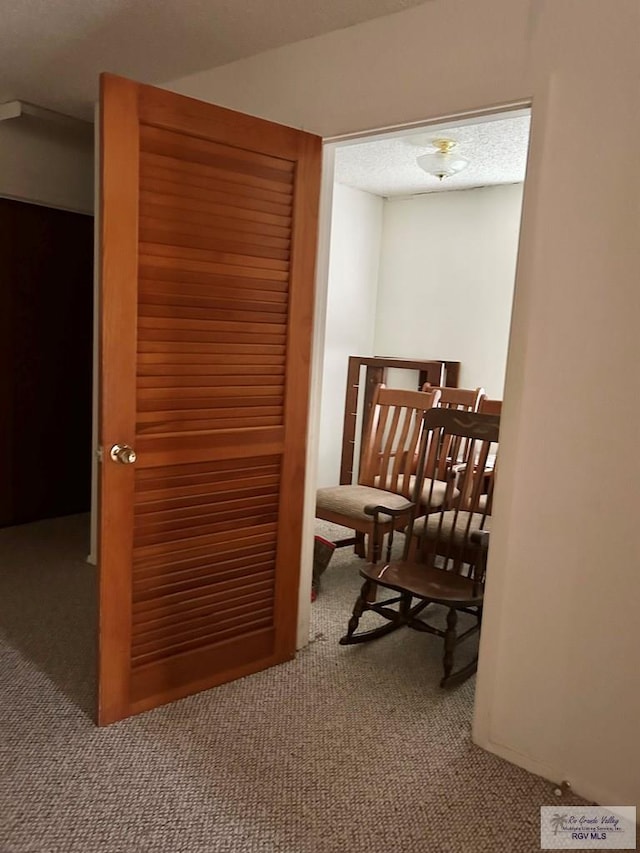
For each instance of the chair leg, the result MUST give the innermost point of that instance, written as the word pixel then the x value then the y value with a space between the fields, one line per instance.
pixel 373 549
pixel 362 604
pixel 449 644
pixel 358 609
pixel 359 547
pixel 372 593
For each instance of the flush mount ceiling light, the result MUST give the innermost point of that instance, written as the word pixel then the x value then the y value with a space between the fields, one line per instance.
pixel 443 162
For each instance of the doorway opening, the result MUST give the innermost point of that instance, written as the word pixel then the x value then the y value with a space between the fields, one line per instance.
pixel 47 591
pixel 419 268
pixel 46 366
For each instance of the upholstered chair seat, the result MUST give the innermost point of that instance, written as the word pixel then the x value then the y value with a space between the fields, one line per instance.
pixel 350 501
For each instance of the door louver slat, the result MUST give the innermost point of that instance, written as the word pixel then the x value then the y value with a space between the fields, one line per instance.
pixel 198 172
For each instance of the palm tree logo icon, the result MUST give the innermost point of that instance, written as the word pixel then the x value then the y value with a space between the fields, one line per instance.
pixel 557 822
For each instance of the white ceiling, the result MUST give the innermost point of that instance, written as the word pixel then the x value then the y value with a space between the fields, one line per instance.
pixel 496 150
pixel 51 51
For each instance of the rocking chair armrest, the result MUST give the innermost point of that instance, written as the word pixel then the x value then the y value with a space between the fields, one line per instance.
pixel 378 509
pixel 481 538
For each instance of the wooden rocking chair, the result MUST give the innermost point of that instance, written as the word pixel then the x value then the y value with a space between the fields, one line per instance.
pixel 444 557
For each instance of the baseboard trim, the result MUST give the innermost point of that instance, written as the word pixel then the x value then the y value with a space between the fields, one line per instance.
pixel 554 775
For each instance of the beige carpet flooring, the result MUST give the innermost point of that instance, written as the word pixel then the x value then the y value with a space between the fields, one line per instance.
pixel 344 749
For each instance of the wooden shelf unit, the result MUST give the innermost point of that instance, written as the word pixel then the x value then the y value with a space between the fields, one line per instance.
pixel 436 372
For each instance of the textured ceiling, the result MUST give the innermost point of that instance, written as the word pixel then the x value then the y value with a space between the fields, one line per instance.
pixel 51 51
pixel 496 150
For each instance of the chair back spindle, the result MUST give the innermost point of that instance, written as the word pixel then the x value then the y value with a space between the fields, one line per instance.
pixel 458 448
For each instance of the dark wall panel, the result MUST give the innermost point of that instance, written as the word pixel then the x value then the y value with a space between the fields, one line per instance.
pixel 46 297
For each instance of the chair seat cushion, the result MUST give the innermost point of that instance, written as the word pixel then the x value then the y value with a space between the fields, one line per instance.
pixel 437 496
pixel 442 587
pixel 350 501
pixel 452 522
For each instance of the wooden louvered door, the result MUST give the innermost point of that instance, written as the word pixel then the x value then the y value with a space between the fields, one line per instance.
pixel 208 224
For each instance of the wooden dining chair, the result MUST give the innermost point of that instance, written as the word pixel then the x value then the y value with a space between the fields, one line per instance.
pixel 462 399
pixel 441 571
pixel 391 441
pixel 490 407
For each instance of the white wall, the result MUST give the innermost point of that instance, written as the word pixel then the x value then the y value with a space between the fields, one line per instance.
pixel 46 164
pixel 356 224
pixel 447 271
pixel 558 688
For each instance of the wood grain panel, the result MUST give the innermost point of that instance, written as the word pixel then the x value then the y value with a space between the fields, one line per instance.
pixel 233 469
pixel 195 172
pixel 216 296
pixel 119 147
pixel 170 635
pixel 217 597
pixel 234 216
pixel 233 160
pixel 189 414
pixel 230 474
pixel 211 501
pixel 151 320
pixel 175 534
pixel 212 597
pixel 162 257
pixel 161 653
pixel 206 358
pixel 196 176
pixel 171 367
pixel 197 446
pixel 199 545
pixel 183 577
pixel 261 233
pixel 154 271
pixel 163 425
pixel 241 314
pixel 155 332
pixel 196 396
pixel 168 347
pixel 158 231
pixel 186 625
pixel 172 249
pixel 163 109
pixel 226 197
pixel 201 669
pixel 151 414
pixel 161 566
pixel 270 386
pixel 236 253
pixel 196 499
pixel 206 506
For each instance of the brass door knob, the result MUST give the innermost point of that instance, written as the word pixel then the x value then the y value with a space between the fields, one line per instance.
pixel 123 454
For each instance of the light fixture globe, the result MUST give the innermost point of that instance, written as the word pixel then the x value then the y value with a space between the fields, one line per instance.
pixel 442 163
